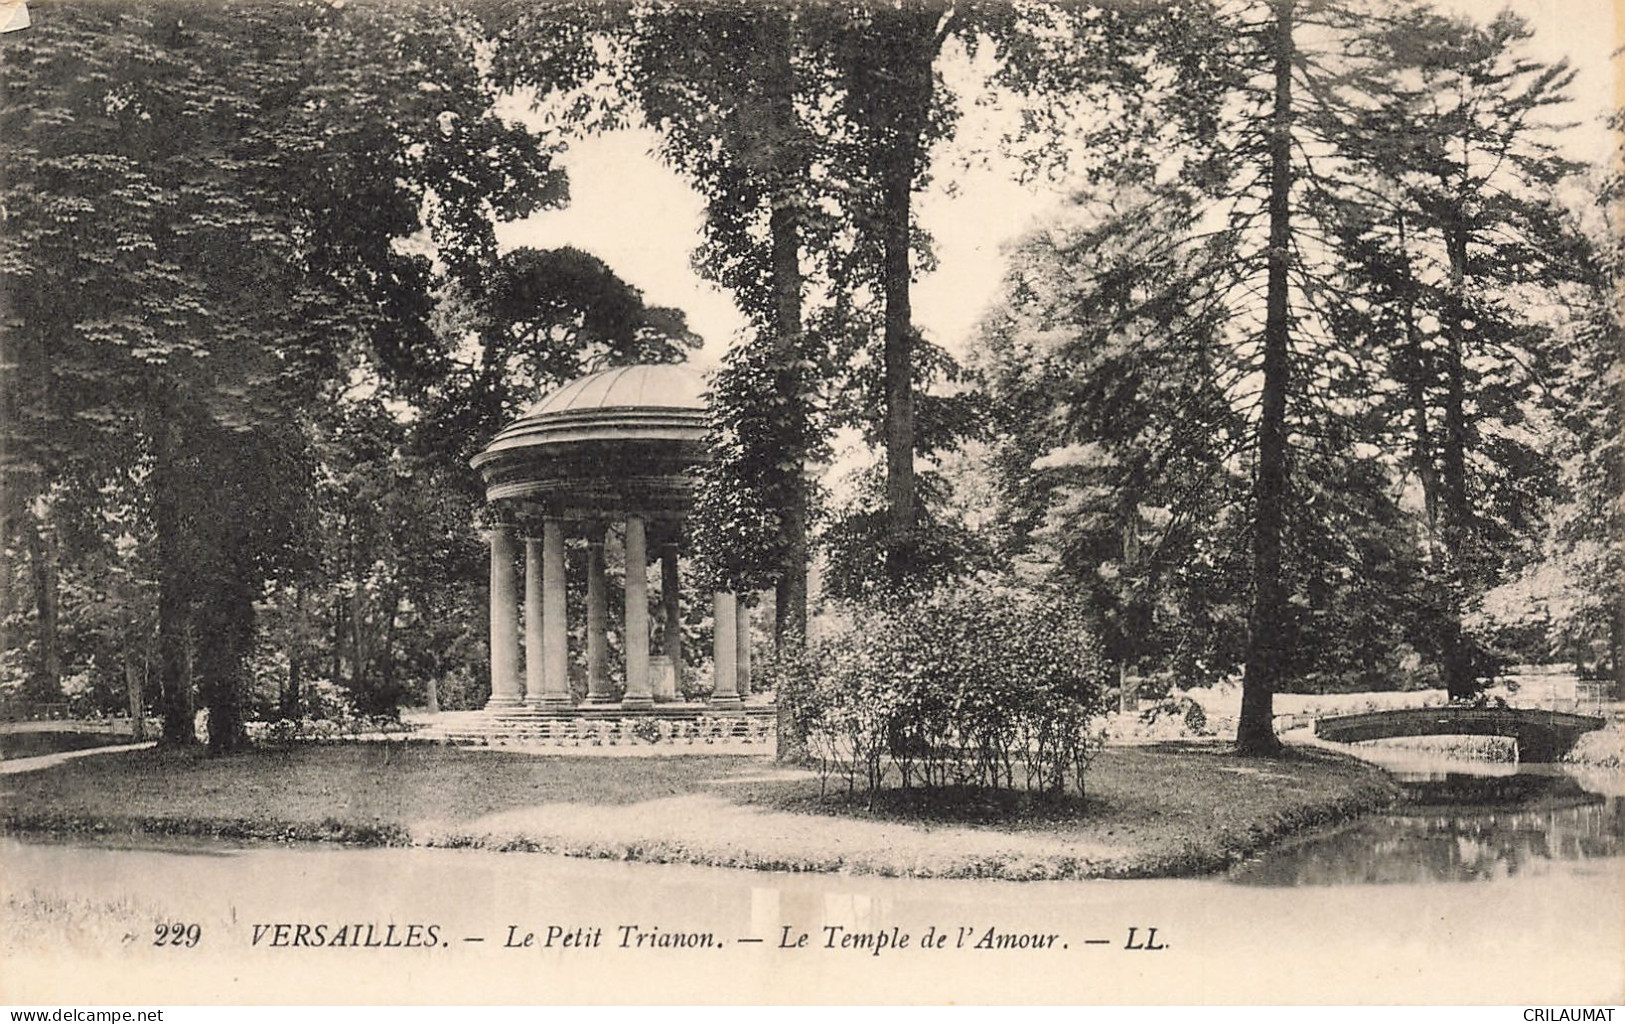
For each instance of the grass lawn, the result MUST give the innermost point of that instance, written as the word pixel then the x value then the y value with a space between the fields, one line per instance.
pixel 1151 810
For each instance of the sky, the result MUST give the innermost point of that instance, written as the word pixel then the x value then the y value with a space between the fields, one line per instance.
pixel 645 221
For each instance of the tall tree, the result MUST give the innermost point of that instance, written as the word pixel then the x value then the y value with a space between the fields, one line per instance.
pixel 1236 150
pixel 1255 732
pixel 1577 580
pixel 736 91
pixel 1050 61
pixel 1461 239
pixel 892 94
pixel 1248 144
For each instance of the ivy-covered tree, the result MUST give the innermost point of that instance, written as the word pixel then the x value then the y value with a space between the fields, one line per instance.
pixel 746 137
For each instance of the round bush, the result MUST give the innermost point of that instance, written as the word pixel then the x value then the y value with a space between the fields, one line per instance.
pixel 974 684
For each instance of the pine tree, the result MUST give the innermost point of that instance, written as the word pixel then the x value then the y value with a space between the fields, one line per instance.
pixel 1116 439
pixel 1454 243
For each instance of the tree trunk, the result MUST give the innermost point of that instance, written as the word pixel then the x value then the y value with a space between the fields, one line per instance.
pixel 790 606
pixel 225 688
pixel 11 477
pixel 387 669
pixel 337 674
pixel 174 625
pixel 1255 731
pixel 292 698
pixel 1440 554
pixel 224 663
pixel 289 706
pixel 790 592
pixel 361 642
pixel 42 557
pixel 912 101
pixel 10 483
pixel 1459 675
pixel 1415 376
pixel 1616 645
pixel 428 612
pixel 132 689
pixel 899 365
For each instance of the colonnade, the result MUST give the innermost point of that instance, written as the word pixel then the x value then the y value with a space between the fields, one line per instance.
pixel 546 679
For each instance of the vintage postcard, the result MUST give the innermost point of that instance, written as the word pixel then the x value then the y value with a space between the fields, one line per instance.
pixel 899 502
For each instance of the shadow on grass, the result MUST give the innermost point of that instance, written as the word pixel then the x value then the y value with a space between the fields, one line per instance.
pixel 14 745
pixel 959 804
pixel 1164 787
pixel 948 805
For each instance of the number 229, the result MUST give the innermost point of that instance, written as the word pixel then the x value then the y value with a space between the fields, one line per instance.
pixel 177 934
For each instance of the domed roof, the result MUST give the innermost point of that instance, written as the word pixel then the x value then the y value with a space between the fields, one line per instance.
pixel 620 440
pixel 645 386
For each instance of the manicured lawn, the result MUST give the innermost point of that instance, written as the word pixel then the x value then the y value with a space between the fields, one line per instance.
pixel 1165 809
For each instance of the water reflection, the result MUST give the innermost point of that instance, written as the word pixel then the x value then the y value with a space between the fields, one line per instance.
pixel 1456 827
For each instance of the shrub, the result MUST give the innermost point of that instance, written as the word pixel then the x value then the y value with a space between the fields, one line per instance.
pixel 1191 715
pixel 974 684
pixel 647 730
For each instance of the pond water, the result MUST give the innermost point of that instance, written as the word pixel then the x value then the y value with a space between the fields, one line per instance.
pixel 1494 884
pixel 1474 825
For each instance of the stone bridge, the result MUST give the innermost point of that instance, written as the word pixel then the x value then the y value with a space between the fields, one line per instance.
pixel 1541 735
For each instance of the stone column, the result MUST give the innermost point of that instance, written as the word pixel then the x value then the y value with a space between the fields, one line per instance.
pixel 555 628
pixel 742 639
pixel 598 691
pixel 724 651
pixel 504 621
pixel 534 674
pixel 638 693
pixel 671 634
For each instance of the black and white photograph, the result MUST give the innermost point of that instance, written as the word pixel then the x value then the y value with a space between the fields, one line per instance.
pixel 543 503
